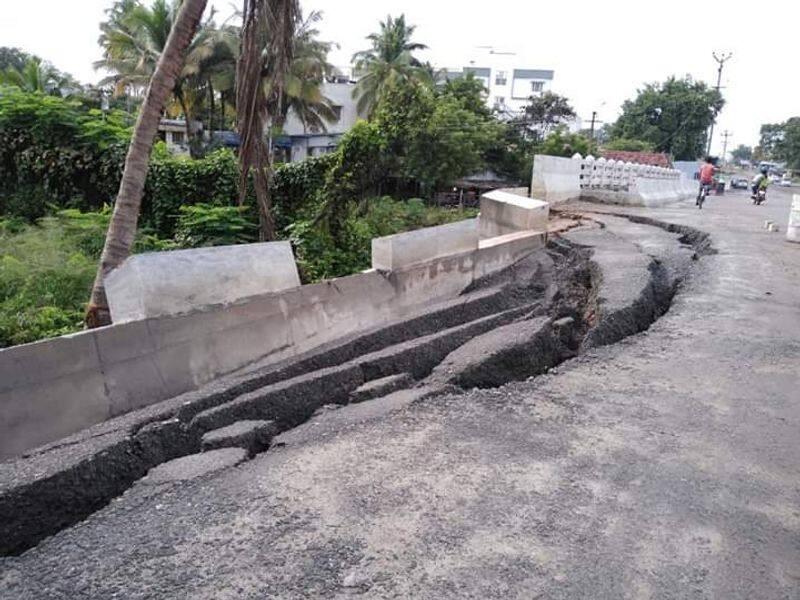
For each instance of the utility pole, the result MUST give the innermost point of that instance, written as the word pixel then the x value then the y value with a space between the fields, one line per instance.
pixel 593 122
pixel 725 134
pixel 721 60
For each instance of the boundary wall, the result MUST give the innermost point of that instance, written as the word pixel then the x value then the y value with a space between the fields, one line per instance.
pixel 52 388
pixel 557 179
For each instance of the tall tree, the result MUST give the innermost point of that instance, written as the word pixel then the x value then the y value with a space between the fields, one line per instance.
pixel 673 116
pixel 742 152
pixel 267 46
pixel 122 228
pixel 303 89
pixel 133 38
pixel 544 112
pixel 390 60
pixel 781 142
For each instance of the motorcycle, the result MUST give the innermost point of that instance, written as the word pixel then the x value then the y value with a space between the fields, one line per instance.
pixel 760 196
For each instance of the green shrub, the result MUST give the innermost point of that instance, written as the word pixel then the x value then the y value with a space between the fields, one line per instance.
pixel 47 270
pixel 206 225
pixel 296 187
pixel 176 181
pixel 320 256
pixel 68 153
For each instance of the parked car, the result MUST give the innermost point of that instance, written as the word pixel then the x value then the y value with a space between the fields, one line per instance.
pixel 786 181
pixel 740 183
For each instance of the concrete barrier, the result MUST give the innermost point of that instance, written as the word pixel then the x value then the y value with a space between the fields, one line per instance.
pixel 503 213
pixel 556 179
pixel 166 283
pixel 412 247
pixel 55 387
pixel 793 228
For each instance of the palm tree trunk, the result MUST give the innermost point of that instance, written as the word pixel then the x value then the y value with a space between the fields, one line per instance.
pixel 122 228
pixel 187 119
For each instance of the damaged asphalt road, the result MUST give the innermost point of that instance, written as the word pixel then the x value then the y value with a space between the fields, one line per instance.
pixel 665 465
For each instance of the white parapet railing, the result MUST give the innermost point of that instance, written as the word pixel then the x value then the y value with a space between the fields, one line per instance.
pixel 556 179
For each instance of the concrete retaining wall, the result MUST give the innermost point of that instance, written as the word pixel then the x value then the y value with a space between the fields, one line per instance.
pixel 55 387
pixel 505 212
pixel 165 283
pixel 413 247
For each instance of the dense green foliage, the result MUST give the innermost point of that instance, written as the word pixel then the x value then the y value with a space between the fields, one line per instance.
pixel 47 268
pixel 628 144
pixel 71 155
pixel 320 256
pixel 742 152
pixel 563 143
pixel 201 225
pixel 46 271
pixel 781 142
pixel 674 116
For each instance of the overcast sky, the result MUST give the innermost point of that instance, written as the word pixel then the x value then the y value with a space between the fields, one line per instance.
pixel 601 51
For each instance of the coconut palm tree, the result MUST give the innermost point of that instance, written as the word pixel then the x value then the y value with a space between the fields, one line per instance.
pixel 122 228
pixel 267 49
pixel 303 89
pixel 35 75
pixel 133 39
pixel 389 60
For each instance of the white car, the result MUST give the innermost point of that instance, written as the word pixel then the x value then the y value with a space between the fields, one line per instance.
pixel 785 181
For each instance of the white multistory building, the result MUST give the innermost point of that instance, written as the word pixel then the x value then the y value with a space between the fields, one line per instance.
pixel 509 80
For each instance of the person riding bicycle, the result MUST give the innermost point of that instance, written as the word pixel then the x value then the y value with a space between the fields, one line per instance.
pixel 760 181
pixel 706 178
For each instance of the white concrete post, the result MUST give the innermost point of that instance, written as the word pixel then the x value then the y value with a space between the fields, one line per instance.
pixel 793 229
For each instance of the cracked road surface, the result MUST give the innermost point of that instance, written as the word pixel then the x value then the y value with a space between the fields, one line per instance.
pixel 664 466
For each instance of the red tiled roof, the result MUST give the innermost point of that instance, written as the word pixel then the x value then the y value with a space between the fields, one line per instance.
pixel 655 159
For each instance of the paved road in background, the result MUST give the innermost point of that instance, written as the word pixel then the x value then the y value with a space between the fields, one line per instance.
pixel 666 466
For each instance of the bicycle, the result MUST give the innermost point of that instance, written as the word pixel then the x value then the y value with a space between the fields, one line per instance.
pixel 705 189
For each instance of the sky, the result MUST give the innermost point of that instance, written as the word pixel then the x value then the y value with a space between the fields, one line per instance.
pixel 601 52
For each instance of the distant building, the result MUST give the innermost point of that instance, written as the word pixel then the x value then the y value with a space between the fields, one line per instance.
pixel 173 133
pixel 510 82
pixel 300 142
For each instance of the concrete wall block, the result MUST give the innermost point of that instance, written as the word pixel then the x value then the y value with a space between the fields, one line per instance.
pixel 422 245
pixel 498 253
pixel 556 179
pixel 503 213
pixel 166 283
pixel 53 388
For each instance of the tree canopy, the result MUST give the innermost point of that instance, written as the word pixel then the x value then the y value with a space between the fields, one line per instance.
pixel 781 142
pixel 389 60
pixel 742 152
pixel 673 116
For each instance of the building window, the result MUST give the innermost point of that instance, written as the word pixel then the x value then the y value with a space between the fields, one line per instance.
pixel 500 78
pixel 337 111
pixel 177 137
pixel 499 101
pixel 537 86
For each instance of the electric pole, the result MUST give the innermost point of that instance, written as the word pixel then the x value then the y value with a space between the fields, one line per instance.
pixel 725 134
pixel 594 122
pixel 721 60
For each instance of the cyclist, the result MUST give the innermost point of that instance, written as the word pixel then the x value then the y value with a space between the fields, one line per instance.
pixel 706 178
pixel 760 181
